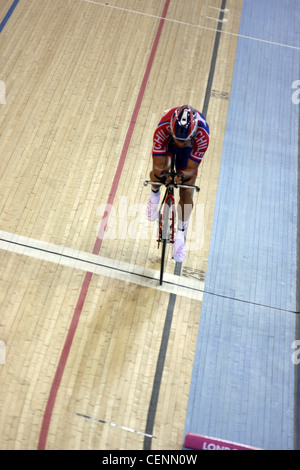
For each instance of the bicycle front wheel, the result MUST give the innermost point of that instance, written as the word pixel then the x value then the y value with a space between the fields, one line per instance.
pixel 165 235
pixel 162 262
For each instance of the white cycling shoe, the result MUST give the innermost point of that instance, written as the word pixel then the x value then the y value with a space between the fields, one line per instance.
pixel 152 206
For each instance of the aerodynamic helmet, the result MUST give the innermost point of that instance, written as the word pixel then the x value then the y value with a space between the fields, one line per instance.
pixel 184 123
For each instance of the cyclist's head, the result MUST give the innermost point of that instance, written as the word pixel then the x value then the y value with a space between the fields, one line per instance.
pixel 184 123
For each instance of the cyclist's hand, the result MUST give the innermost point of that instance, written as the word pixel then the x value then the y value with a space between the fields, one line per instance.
pixel 179 177
pixel 165 177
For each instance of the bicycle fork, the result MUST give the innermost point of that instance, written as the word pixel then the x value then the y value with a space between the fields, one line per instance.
pixel 166 229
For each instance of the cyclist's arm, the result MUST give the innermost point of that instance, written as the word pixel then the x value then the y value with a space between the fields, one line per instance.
pixel 159 164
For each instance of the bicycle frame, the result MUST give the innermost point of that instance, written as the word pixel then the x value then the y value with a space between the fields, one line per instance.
pixel 166 218
pixel 169 195
pixel 166 214
pixel 168 203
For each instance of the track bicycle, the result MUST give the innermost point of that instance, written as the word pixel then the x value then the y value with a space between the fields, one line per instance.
pixel 166 216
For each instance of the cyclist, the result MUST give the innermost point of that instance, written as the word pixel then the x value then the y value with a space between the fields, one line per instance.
pixel 182 131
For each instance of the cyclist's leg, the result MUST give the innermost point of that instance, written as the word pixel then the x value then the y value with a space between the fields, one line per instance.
pixel 185 204
pixel 184 208
pixel 159 164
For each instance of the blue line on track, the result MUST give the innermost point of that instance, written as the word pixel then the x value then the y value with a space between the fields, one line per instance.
pixel 8 14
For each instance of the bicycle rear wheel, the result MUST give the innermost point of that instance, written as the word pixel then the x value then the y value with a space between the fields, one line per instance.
pixel 165 235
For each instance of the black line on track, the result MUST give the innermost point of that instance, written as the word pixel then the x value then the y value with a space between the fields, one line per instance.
pixel 172 300
pixel 151 278
pixel 100 265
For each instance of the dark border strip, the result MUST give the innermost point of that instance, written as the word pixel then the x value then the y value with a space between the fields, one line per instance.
pixel 297 332
pixel 8 15
pixel 170 310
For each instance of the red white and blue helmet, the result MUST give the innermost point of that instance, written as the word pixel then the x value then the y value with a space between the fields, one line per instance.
pixel 184 123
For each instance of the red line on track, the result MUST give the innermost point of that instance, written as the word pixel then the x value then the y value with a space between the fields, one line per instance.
pixel 88 277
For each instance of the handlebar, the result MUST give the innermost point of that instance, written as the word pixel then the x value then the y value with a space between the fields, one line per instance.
pixel 172 185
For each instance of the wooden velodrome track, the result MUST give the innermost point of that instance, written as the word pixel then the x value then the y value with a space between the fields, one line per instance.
pixel 83 321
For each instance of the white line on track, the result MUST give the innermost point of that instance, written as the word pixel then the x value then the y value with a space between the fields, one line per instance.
pixel 192 25
pixel 125 428
pixel 76 259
